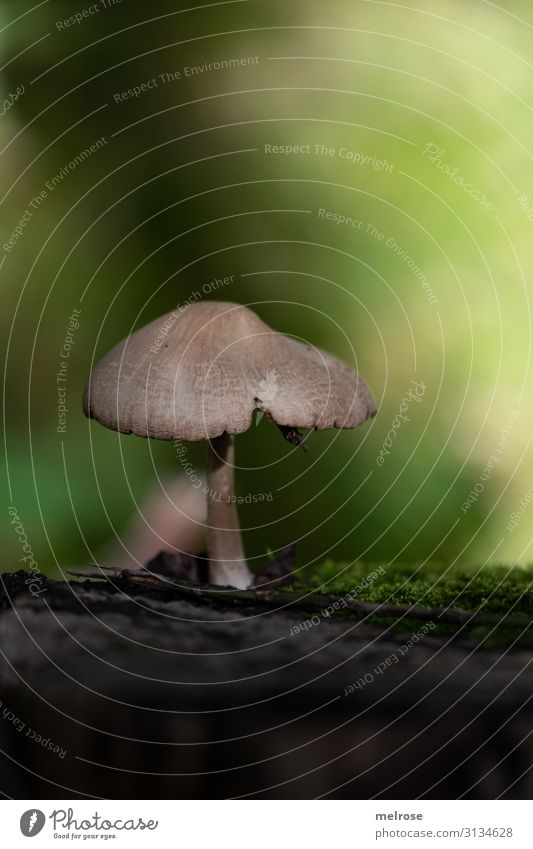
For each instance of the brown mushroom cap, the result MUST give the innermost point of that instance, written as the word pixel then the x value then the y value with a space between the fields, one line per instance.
pixel 200 371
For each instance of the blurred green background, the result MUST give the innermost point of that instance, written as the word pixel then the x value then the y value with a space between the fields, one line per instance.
pixel 425 112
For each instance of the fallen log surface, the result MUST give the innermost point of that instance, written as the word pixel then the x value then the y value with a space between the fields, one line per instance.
pixel 130 688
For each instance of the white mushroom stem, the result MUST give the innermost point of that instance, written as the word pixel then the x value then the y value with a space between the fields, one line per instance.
pixel 227 564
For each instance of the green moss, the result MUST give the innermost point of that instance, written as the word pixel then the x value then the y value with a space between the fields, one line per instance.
pixel 497 589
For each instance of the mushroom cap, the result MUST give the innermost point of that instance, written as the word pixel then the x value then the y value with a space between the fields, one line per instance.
pixel 203 369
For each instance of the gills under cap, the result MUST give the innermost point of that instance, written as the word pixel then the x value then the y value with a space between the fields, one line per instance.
pixel 202 371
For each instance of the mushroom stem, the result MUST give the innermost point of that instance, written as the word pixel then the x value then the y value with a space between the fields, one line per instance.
pixel 227 564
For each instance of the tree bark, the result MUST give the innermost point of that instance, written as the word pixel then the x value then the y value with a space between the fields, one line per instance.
pixel 154 692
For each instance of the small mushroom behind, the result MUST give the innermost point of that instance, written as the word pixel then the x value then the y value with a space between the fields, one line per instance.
pixel 200 374
pixel 170 518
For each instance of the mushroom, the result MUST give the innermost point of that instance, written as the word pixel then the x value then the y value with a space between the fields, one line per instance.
pixel 200 373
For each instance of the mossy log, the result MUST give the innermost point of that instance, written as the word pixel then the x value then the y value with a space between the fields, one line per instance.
pixel 127 688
